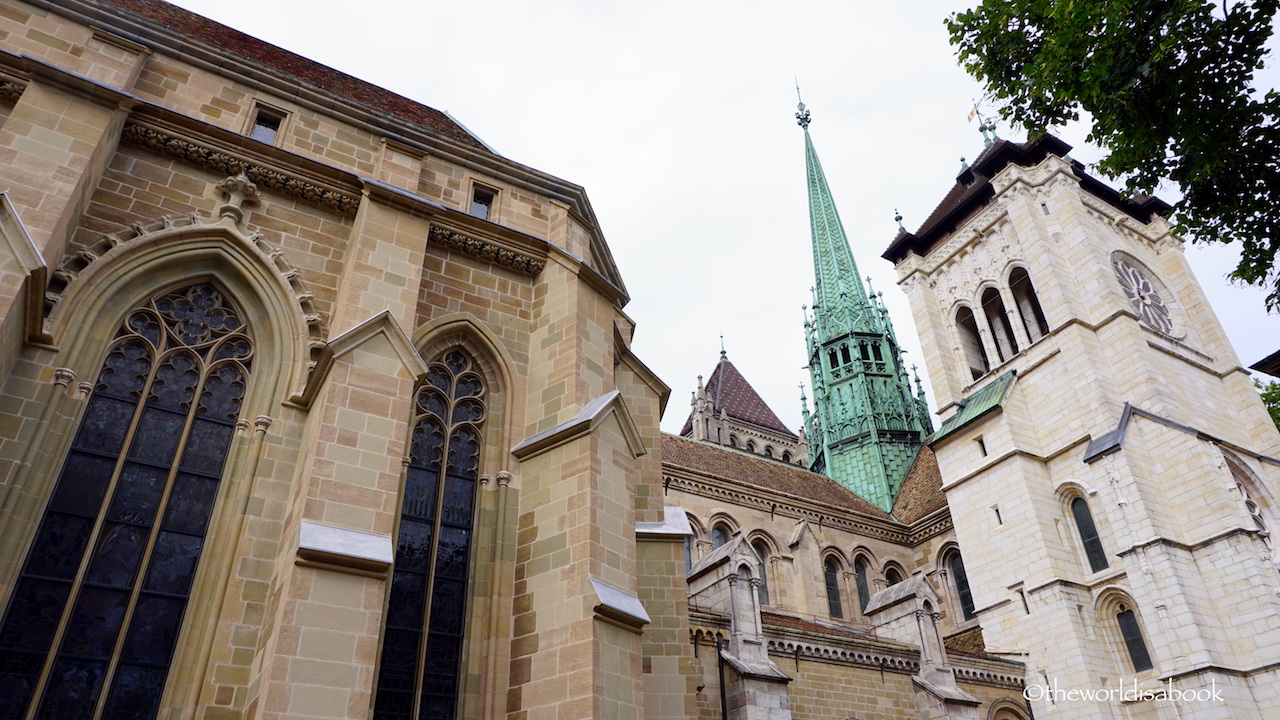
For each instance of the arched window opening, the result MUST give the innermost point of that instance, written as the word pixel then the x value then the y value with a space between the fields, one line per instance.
pixel 751 446
pixel 998 321
pixel 961 581
pixel 971 343
pixel 1089 535
pixel 719 536
pixel 831 358
pixel 844 354
pixel 733 441
pixel 875 351
pixel 892 576
pixel 864 588
pixel 768 451
pixel 112 564
pixel 864 352
pixel 786 456
pixel 1133 642
pixel 1255 501
pixel 831 574
pixel 423 638
pixel 762 569
pixel 1024 295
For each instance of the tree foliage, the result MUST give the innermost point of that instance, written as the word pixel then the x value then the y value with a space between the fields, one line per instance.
pixel 1169 87
pixel 1270 393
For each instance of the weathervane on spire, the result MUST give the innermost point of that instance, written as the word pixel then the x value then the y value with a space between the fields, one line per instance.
pixel 722 352
pixel 802 115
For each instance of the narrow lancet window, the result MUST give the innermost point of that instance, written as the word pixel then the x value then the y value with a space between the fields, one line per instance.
pixel 998 321
pixel 426 614
pixel 1089 535
pixel 1024 294
pixel 971 343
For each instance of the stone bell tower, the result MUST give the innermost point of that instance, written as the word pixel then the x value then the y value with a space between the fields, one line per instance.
pixel 1098 421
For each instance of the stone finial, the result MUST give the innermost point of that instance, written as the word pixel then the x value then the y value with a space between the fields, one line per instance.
pixel 239 189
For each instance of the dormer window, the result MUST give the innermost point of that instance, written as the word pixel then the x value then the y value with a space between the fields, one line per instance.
pixel 482 201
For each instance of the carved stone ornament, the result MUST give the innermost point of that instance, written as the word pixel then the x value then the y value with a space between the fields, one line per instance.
pixel 206 157
pixel 1144 297
pixel 487 251
pixel 239 190
pixel 11 90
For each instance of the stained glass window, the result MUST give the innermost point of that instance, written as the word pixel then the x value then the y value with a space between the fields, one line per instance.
pixel 1133 641
pixel 963 593
pixel 1144 296
pixel 422 642
pixel 830 574
pixel 1089 535
pixel 95 614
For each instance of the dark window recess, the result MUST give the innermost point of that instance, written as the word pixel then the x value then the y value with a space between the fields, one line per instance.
pixel 718 536
pixel 266 126
pixel 864 591
pixel 177 368
pixel 962 587
pixel 762 567
pixel 1089 535
pixel 482 202
pixel 844 353
pixel 423 641
pixel 1133 641
pixel 831 575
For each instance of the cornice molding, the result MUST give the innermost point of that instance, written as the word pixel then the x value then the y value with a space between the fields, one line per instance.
pixel 489 252
pixel 751 496
pixel 224 163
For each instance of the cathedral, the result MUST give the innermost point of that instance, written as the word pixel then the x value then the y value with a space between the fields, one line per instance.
pixel 314 406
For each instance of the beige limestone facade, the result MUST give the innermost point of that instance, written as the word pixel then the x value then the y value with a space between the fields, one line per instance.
pixel 313 406
pixel 1123 540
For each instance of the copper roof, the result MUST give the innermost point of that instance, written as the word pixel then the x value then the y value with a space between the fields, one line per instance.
pixel 765 473
pixel 731 392
pixel 322 78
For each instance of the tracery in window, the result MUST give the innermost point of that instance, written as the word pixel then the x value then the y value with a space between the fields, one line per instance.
pixel 426 611
pixel 116 552
pixel 1143 295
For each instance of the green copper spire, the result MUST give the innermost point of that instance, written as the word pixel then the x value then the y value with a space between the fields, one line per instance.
pixel 867 425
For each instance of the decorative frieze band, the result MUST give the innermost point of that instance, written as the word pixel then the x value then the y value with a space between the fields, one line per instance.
pixel 487 251
pixel 223 163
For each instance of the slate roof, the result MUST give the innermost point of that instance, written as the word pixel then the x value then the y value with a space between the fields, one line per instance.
pixel 731 392
pixel 323 79
pixel 769 474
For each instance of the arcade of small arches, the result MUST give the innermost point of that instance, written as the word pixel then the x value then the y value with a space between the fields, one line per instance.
pixel 993 331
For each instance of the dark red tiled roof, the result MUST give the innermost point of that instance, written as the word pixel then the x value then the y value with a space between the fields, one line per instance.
pixel 967 642
pixel 731 392
pixel 921 492
pixel 763 472
pixel 322 78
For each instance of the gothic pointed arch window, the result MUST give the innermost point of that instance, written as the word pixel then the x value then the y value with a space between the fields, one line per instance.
pixel 1131 632
pixel 422 641
pixel 1255 499
pixel 95 615
pixel 960 582
pixel 998 321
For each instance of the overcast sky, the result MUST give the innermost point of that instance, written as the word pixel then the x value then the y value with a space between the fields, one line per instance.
pixel 677 117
